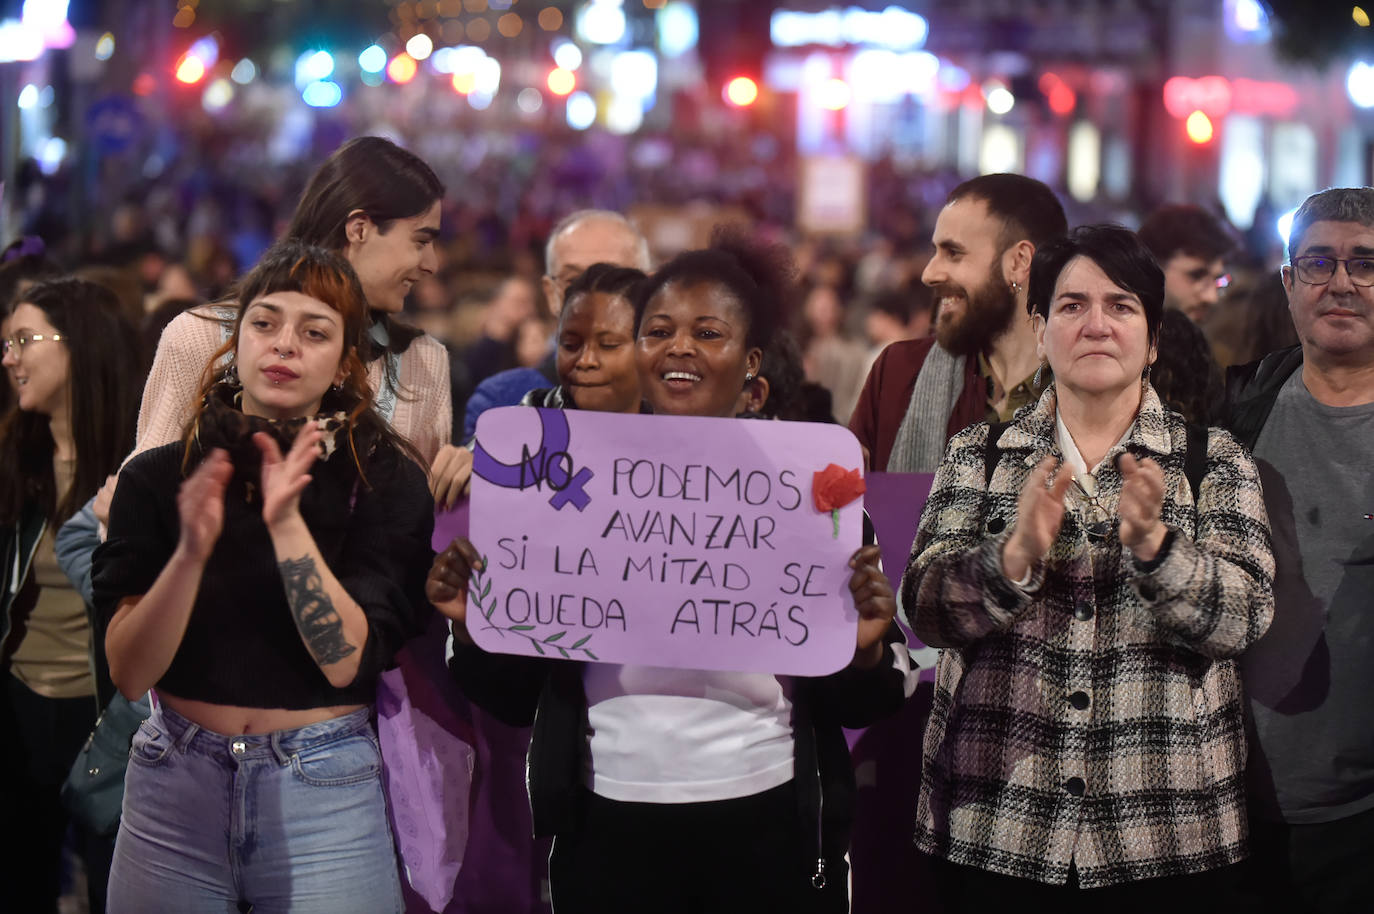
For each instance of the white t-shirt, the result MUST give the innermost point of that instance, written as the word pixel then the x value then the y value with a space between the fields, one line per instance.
pixel 658 735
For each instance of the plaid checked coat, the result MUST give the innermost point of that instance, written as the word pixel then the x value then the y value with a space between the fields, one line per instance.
pixel 1094 716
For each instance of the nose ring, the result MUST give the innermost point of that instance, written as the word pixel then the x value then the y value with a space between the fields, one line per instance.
pixel 281 355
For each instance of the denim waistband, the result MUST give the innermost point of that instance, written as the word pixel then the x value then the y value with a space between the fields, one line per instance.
pixel 190 736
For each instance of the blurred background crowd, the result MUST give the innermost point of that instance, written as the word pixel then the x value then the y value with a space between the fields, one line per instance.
pixel 158 146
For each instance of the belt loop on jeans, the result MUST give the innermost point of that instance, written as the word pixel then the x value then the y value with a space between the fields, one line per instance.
pixel 187 735
pixel 283 757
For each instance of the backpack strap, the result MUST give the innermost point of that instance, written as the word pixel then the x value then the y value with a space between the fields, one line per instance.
pixel 1195 458
pixel 991 452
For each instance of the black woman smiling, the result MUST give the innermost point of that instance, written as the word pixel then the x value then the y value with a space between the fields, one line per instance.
pixel 690 790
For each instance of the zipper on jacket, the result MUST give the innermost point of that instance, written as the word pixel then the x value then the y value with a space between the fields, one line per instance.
pixel 23 562
pixel 818 877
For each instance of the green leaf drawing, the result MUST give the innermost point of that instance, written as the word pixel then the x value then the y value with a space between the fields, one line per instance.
pixel 554 637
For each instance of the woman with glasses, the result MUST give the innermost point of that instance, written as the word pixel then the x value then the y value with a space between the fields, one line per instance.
pixel 1091 569
pixel 71 362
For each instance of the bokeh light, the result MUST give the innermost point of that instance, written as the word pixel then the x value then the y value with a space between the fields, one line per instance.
pixel 402 69
pixel 741 91
pixel 1199 127
pixel 561 81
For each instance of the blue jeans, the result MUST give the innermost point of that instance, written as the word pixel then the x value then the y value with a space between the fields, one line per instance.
pixel 291 821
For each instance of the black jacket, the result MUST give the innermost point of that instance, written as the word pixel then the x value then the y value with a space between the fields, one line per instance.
pixel 1252 389
pixel 549 694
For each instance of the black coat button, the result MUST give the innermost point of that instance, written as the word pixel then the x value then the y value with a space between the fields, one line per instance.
pixel 996 526
pixel 1075 786
pixel 1148 590
pixel 1083 612
pixel 1079 700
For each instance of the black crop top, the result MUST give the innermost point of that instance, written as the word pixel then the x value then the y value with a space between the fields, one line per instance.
pixel 241 645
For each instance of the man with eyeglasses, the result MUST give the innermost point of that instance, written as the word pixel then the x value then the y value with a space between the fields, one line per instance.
pixel 1308 414
pixel 1191 246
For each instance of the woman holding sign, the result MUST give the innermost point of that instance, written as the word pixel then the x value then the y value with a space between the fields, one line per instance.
pixel 1091 569
pixel 262 593
pixel 690 790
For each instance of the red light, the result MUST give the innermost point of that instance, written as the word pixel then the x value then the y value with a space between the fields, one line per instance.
pixel 401 69
pixel 1199 127
pixel 741 91
pixel 145 84
pixel 561 81
pixel 190 70
pixel 1062 99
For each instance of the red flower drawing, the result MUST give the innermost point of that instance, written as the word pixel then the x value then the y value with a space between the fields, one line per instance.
pixel 833 488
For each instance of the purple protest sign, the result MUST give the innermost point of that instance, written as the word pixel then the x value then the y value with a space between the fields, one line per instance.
pixel 894 502
pixel 663 540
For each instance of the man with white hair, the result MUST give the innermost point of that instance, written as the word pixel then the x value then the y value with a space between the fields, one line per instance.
pixel 579 240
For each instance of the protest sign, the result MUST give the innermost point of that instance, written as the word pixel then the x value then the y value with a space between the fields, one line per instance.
pixel 665 540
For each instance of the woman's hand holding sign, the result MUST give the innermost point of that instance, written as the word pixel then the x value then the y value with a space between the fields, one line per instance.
pixel 876 605
pixel 447 584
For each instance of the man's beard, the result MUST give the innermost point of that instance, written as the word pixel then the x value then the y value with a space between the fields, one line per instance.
pixel 988 313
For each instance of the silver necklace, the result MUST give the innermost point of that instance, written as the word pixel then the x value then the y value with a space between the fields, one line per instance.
pixel 1099 522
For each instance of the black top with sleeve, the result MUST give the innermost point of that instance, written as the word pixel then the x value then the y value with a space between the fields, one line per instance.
pixel 241 645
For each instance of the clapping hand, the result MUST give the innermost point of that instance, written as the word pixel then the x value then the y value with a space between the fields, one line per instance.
pixel 200 505
pixel 1142 499
pixel 285 478
pixel 1039 514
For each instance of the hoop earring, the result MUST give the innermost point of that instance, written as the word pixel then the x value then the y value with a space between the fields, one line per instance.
pixel 1015 288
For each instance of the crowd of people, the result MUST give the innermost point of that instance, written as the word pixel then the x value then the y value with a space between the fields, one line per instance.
pixel 1145 558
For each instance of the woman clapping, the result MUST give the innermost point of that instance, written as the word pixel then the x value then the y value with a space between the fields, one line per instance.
pixel 260 574
pixel 1091 569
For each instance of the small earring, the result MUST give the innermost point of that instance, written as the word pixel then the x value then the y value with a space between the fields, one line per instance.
pixel 748 376
pixel 231 375
pixel 1015 288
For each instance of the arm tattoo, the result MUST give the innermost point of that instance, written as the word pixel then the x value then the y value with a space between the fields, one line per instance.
pixel 319 625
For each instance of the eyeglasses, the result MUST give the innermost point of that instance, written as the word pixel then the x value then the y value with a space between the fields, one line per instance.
pixel 1317 270
pixel 17 343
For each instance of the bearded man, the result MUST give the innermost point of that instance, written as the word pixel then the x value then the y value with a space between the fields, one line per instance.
pixel 981 363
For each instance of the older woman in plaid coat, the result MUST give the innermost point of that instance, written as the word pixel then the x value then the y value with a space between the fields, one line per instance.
pixel 1086 729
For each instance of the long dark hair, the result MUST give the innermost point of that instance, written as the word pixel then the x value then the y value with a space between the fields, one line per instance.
pixel 293 266
pixel 383 180
pixel 105 382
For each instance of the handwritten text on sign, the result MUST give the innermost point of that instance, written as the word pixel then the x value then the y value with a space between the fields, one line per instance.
pixel 662 540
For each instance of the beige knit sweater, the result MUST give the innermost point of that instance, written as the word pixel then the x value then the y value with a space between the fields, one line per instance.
pixel 424 412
